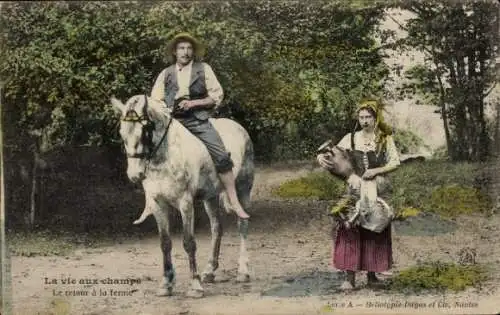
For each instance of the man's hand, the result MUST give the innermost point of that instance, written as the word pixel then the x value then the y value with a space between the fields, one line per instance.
pixel 370 174
pixel 186 105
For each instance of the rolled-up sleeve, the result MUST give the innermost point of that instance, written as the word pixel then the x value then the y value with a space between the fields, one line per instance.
pixel 392 152
pixel 214 88
pixel 158 91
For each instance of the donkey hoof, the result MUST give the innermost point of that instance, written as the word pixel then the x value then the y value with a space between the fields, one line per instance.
pixel 208 278
pixel 165 292
pixel 243 278
pixel 196 294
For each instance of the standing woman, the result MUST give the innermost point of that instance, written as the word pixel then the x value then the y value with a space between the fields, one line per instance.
pixel 375 154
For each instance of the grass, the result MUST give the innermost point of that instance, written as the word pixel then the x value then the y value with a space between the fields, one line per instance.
pixel 451 201
pixel 319 185
pixel 439 186
pixel 439 276
pixel 407 212
pixel 428 186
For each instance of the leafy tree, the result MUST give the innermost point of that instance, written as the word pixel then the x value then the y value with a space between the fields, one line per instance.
pixel 323 58
pixel 60 62
pixel 460 43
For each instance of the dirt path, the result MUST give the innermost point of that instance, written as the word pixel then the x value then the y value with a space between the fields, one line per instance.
pixel 290 245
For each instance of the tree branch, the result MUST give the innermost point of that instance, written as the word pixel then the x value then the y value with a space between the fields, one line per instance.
pixel 490 90
pixel 401 26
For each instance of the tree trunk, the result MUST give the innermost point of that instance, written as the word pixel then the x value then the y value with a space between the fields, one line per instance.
pixel 457 120
pixel 444 115
pixel 496 133
pixel 34 190
pixel 484 144
pixel 461 125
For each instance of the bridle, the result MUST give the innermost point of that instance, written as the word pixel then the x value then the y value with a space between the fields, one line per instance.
pixel 148 126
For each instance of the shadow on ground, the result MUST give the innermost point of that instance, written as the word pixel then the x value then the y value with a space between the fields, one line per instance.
pixel 313 283
pixel 425 224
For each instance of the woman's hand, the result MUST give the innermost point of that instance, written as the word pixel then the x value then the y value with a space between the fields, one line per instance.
pixel 354 182
pixel 324 162
pixel 370 173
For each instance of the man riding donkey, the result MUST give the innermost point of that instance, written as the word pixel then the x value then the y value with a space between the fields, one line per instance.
pixel 190 91
pixel 363 240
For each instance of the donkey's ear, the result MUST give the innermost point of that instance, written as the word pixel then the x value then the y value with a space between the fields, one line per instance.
pixel 118 106
pixel 324 147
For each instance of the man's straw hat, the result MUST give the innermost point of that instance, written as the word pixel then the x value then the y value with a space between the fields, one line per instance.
pixel 198 47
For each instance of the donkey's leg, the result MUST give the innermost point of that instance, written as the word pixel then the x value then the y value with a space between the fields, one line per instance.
pixel 213 211
pixel 243 274
pixel 168 281
pixel 189 242
pixel 244 195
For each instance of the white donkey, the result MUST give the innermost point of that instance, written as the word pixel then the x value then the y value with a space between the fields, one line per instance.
pixel 175 168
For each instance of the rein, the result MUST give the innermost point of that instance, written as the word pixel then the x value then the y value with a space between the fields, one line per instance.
pixel 147 132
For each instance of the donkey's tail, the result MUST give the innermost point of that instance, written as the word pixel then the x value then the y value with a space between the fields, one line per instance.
pixel 146 213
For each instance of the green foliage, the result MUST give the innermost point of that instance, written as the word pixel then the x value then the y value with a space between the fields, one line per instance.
pixel 439 276
pixel 441 153
pixel 62 61
pixel 315 185
pixel 320 58
pixel 407 212
pixel 281 63
pixel 453 200
pixel 340 208
pixel 407 142
pixel 413 184
pixel 421 82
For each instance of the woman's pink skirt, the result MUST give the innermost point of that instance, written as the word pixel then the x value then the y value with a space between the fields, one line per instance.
pixel 360 249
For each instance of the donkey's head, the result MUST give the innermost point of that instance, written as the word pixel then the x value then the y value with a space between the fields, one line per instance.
pixel 138 123
pixel 338 161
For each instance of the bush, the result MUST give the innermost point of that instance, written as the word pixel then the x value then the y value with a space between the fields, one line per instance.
pixel 414 184
pixel 441 153
pixel 439 276
pixel 320 185
pixel 408 142
pixel 407 212
pixel 455 200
